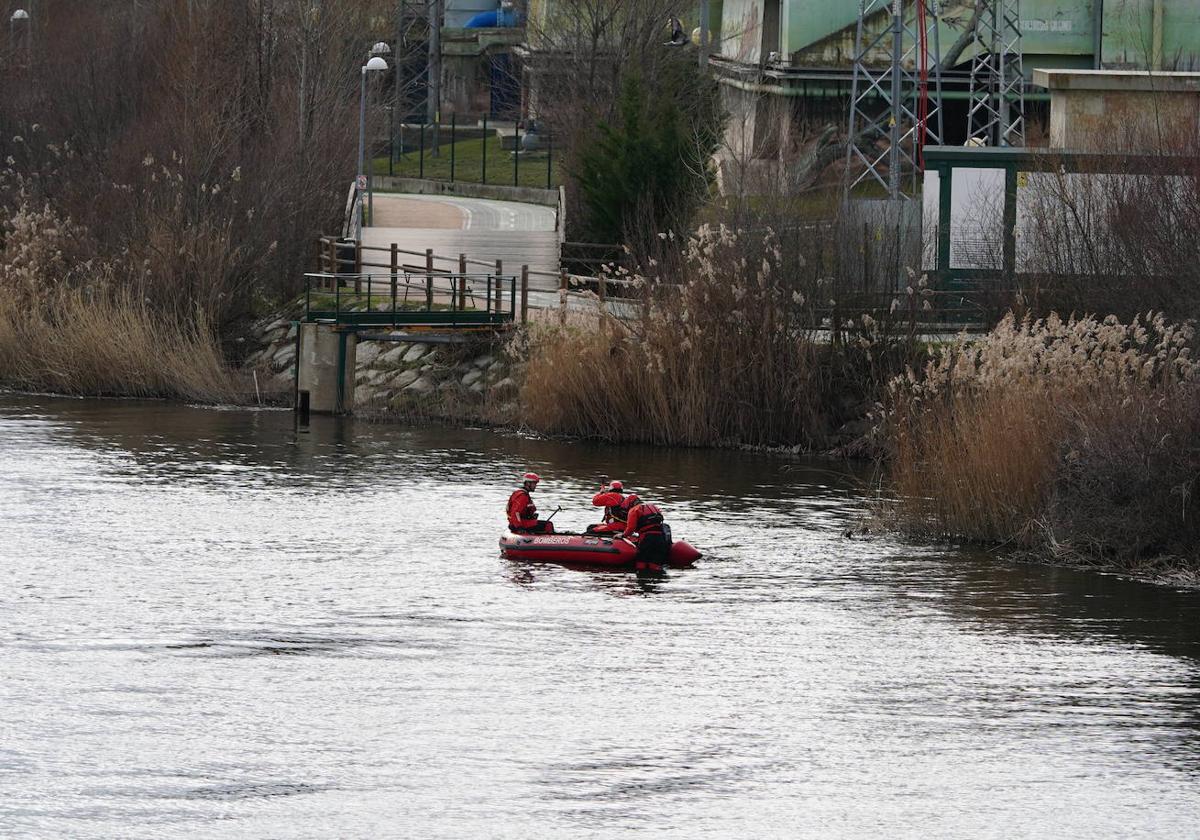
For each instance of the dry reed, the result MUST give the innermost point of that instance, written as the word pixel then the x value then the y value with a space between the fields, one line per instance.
pixel 1036 433
pixel 110 344
pixel 73 326
pixel 718 356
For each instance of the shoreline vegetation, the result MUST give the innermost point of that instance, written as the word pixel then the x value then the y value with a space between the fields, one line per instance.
pixel 157 216
pixel 1074 440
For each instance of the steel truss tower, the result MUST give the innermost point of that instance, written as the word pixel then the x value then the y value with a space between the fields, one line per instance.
pixel 411 58
pixel 997 112
pixel 897 94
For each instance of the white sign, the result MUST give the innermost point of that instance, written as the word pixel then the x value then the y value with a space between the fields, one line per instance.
pixel 1035 25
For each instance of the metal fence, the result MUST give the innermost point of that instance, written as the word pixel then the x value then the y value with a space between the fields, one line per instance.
pixel 499 157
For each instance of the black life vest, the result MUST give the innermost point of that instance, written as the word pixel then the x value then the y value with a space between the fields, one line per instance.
pixel 621 512
pixel 650 521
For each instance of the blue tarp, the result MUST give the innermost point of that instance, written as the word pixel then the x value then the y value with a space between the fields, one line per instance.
pixel 493 20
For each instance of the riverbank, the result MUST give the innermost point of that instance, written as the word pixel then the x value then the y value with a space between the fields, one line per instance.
pixel 1075 439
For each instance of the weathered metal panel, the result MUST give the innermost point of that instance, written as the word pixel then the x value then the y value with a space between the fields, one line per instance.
pixel 741 30
pixel 1057 27
pixel 805 22
pixel 820 33
pixel 1130 35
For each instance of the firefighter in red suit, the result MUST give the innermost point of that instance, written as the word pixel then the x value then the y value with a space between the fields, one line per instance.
pixel 522 512
pixel 616 508
pixel 652 536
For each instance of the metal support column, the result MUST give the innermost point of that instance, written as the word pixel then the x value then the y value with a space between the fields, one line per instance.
pixel 896 94
pixel 997 111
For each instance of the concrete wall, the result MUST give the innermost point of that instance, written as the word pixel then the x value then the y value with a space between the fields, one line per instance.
pixel 741 30
pixel 467 67
pixel 1116 111
pixel 497 192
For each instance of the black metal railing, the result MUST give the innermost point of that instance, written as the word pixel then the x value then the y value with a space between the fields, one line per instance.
pixel 407 299
pixel 481 154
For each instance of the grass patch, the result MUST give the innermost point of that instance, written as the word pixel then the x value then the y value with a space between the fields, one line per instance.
pixel 819 203
pixel 468 165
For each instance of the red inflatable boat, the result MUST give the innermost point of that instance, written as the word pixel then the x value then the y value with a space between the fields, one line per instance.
pixel 586 549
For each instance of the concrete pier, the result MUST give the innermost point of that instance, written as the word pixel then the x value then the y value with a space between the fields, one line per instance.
pixel 326 367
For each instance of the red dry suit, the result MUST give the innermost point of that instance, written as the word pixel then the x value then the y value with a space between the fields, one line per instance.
pixel 522 512
pixel 644 519
pixel 653 542
pixel 616 511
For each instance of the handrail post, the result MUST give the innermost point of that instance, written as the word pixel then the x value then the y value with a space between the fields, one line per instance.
pixel 395 272
pixel 421 154
pixel 488 296
pixel 357 266
pixel 499 288
pixel 453 143
pixel 562 297
pixel 333 261
pixel 516 155
pixel 461 286
pixel 524 294
pixel 429 279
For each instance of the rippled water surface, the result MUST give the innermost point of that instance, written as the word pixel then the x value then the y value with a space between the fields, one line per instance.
pixel 212 626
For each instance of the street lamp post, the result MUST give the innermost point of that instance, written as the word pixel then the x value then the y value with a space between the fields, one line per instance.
pixel 374 64
pixel 19 18
pixel 378 51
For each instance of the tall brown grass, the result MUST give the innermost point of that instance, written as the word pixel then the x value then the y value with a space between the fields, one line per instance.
pixel 80 326
pixel 719 354
pixel 732 336
pixel 111 344
pixel 1076 435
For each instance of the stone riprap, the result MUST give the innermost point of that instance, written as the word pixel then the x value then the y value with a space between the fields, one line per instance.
pixel 404 378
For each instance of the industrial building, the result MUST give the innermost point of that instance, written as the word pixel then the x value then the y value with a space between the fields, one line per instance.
pixel 787 65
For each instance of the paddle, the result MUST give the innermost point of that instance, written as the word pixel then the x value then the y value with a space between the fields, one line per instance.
pixel 551 517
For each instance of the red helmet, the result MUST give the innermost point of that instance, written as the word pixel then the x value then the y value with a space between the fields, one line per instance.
pixel 529 476
pixel 616 485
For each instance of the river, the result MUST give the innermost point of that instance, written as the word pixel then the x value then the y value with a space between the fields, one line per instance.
pixel 214 626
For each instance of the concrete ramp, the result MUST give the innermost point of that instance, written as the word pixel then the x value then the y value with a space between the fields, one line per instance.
pixel 483 229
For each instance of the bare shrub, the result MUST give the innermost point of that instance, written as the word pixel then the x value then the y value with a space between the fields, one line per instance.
pixel 1043 430
pixel 1125 489
pixel 204 145
pixel 1120 235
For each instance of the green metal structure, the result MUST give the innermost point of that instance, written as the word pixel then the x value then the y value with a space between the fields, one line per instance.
pixel 1012 168
pixel 1112 34
pixel 422 301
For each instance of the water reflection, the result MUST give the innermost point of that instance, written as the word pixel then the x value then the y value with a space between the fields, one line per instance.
pixel 207 613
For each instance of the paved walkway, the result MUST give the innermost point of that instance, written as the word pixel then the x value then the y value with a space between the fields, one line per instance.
pixel 518 234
